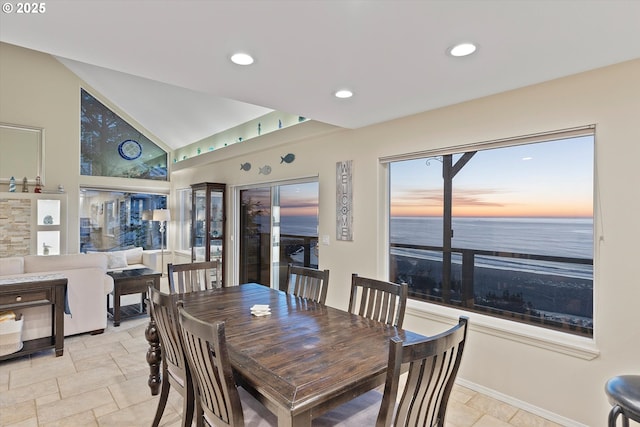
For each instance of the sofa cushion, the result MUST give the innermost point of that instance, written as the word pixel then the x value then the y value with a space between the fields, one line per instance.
pixel 133 255
pixel 116 259
pixel 11 265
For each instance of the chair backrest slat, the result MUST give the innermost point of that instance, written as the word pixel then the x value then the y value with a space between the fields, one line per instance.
pixel 197 276
pixel 206 350
pixel 433 366
pixel 308 283
pixel 378 300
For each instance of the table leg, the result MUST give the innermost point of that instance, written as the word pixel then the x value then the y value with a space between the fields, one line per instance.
pixel 116 305
pixel 154 356
pixel 285 419
pixel 59 320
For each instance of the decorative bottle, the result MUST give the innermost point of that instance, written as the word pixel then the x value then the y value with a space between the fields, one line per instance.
pixel 38 188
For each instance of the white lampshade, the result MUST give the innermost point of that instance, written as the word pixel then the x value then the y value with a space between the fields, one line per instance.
pixel 161 215
pixel 147 215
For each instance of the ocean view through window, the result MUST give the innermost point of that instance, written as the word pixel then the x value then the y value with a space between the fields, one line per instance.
pixel 278 226
pixel 505 231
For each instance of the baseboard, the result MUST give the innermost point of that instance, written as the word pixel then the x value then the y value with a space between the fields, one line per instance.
pixel 551 416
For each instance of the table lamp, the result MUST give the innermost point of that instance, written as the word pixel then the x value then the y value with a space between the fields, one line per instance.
pixel 162 215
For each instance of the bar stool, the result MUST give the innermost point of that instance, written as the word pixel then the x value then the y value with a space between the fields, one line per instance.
pixel 624 394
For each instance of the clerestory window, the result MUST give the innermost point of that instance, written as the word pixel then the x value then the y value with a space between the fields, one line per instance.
pixel 504 229
pixel 109 146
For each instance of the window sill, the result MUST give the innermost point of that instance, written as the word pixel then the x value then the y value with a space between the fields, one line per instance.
pixel 559 342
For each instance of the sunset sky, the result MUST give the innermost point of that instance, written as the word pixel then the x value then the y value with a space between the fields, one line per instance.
pixel 551 179
pixel 299 199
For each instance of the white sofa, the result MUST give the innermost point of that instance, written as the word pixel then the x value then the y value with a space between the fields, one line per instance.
pixel 87 289
pixel 129 259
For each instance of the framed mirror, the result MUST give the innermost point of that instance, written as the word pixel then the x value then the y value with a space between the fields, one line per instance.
pixel 21 153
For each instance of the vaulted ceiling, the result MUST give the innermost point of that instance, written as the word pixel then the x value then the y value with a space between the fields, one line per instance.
pixel 166 63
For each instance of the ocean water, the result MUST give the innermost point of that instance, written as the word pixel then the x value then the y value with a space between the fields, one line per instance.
pixel 568 237
pixel 301 225
pixel 562 237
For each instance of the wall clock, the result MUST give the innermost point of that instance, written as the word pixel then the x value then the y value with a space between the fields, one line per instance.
pixel 129 149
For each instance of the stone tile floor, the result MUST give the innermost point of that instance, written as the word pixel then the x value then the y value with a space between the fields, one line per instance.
pixel 101 380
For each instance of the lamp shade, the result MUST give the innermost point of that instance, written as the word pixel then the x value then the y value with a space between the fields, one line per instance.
pixel 147 215
pixel 161 215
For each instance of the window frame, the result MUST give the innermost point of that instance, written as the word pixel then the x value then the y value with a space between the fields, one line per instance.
pixel 119 154
pixel 583 347
pixel 101 210
pixel 235 218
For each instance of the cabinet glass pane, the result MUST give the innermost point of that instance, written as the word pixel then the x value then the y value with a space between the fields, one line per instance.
pixel 48 212
pixel 200 226
pixel 216 237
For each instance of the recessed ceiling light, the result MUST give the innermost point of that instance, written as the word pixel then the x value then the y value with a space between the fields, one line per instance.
pixel 344 93
pixel 241 59
pixel 462 49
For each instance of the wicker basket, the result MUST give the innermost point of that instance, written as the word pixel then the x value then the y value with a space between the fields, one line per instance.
pixel 11 336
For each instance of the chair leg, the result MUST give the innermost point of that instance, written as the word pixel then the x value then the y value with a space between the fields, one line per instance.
pixel 613 416
pixel 164 395
pixel 188 403
pixel 198 413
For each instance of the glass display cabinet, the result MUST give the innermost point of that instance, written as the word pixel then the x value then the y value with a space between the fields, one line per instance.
pixel 208 223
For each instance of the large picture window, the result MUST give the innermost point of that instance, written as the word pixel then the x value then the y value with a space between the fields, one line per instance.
pixel 505 229
pixel 109 146
pixel 113 220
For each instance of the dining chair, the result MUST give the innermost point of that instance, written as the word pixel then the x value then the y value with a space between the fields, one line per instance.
pixel 418 397
pixel 217 397
pixel 378 300
pixel 175 371
pixel 433 366
pixel 308 283
pixel 197 276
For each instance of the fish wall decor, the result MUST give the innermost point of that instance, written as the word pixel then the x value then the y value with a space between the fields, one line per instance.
pixel 265 170
pixel 245 166
pixel 288 158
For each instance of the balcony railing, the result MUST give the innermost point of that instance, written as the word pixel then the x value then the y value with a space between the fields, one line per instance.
pixel 298 249
pixel 550 291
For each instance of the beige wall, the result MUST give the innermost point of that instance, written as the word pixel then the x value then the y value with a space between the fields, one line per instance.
pixel 528 367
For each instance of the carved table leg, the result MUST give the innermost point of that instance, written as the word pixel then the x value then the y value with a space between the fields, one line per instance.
pixel 154 356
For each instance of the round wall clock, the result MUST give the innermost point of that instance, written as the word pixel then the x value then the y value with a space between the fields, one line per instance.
pixel 130 149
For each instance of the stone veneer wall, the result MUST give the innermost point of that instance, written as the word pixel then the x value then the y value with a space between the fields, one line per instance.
pixel 15 227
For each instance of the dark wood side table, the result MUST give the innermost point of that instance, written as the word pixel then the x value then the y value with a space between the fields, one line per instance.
pixel 16 294
pixel 127 282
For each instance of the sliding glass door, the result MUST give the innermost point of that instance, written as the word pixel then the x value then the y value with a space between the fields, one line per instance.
pixel 278 226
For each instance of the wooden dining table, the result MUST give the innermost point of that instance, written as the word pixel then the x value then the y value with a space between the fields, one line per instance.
pixel 304 358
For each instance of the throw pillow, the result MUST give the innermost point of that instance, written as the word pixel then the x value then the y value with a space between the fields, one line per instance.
pixel 133 255
pixel 116 259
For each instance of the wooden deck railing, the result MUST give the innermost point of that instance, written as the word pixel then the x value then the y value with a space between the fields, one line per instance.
pixel 466 292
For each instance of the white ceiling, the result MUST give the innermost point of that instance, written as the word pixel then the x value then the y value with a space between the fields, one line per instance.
pixel 166 63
